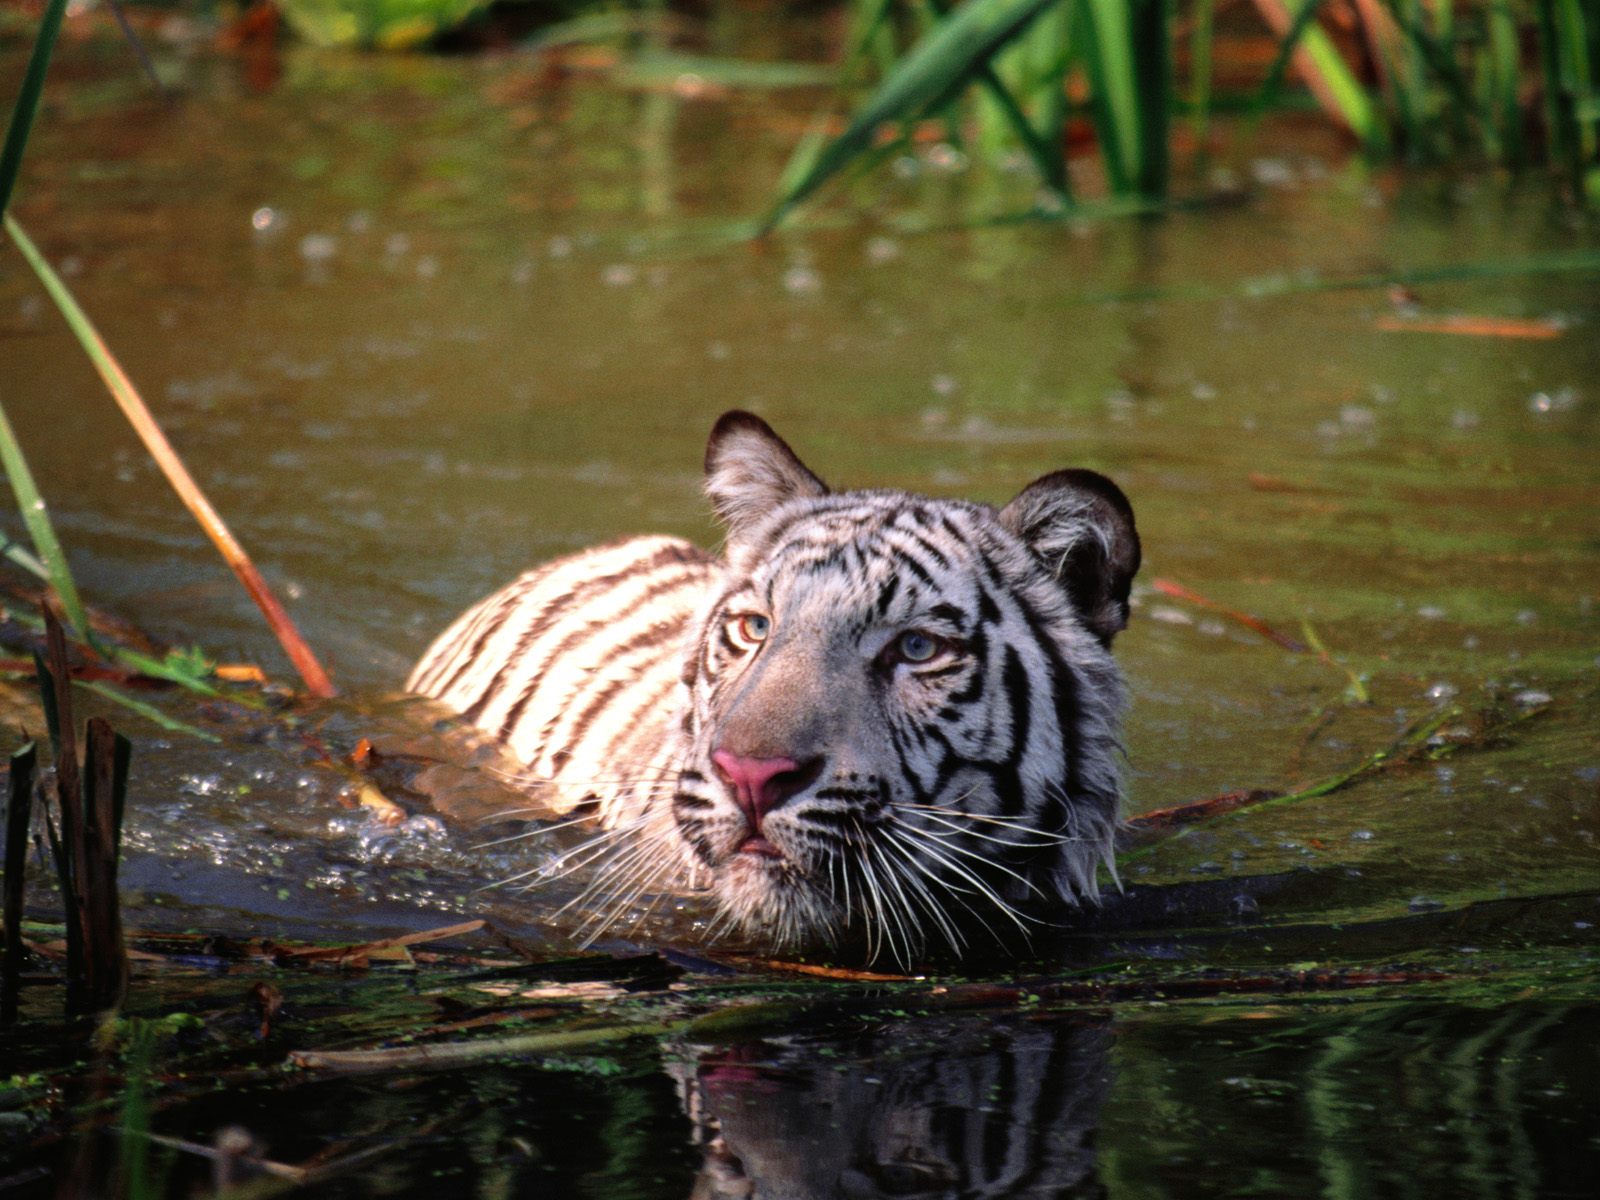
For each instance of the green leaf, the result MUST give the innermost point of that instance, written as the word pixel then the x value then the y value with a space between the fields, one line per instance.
pixel 27 105
pixel 936 68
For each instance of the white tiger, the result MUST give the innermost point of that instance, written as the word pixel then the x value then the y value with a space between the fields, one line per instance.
pixel 877 711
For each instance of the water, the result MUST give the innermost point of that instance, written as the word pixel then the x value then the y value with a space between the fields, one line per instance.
pixel 418 323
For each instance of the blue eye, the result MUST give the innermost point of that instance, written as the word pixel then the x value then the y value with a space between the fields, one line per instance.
pixel 914 647
pixel 749 630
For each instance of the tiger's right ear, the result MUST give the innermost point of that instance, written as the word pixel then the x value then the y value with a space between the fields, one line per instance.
pixel 1079 525
pixel 750 471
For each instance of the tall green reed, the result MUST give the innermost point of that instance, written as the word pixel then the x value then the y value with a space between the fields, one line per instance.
pixel 50 559
pixel 1436 80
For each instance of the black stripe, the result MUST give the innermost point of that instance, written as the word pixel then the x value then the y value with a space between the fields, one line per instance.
pixel 571 641
pixel 886 594
pixel 653 636
pixel 553 614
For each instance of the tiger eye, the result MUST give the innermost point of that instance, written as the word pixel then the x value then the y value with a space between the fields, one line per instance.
pixel 753 628
pixel 915 647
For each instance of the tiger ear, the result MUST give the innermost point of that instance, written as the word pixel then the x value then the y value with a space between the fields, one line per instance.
pixel 750 471
pixel 1080 526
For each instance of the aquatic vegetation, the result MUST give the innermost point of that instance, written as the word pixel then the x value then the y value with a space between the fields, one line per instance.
pixel 1432 82
pixel 380 24
pixel 51 561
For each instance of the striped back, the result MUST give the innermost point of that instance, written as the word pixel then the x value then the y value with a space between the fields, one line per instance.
pixel 575 666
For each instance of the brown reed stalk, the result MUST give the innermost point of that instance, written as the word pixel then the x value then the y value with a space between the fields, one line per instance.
pixel 19 814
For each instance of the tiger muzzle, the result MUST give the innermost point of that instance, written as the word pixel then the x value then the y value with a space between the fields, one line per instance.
pixel 760 785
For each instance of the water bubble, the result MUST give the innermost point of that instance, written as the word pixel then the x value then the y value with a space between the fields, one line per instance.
pixel 1203 392
pixel 1560 400
pixel 1362 835
pixel 1441 692
pixel 881 250
pixel 1169 616
pixel 1272 172
pixel 559 247
pixel 264 219
pixel 1419 904
pixel 944 385
pixel 1431 612
pixel 1355 416
pixel 906 167
pixel 801 281
pixel 1464 419
pixel 427 267
pixel 1527 616
pixel 522 274
pixel 1532 698
pixel 719 351
pixel 359 221
pixel 396 244
pixel 945 158
pixel 689 85
pixel 318 247
pixel 619 275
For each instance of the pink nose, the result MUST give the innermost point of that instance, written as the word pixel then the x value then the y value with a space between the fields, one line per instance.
pixel 759 784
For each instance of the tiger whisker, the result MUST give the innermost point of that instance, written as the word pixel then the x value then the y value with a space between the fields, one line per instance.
pixel 957 830
pixel 958 892
pixel 1016 917
pixel 892 876
pixel 917 878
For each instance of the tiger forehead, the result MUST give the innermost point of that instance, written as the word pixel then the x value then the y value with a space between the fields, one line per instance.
pixel 876 563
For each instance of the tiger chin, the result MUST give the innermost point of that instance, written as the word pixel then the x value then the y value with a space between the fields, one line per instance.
pixel 876 717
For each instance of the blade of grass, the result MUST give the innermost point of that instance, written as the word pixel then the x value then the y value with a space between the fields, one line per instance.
pixel 1200 72
pixel 23 557
pixel 937 67
pixel 28 99
pixel 155 441
pixel 148 711
pixel 1150 39
pixel 1050 162
pixel 36 517
pixel 1109 60
pixel 1325 72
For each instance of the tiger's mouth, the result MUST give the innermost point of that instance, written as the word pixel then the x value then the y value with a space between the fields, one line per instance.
pixel 757 845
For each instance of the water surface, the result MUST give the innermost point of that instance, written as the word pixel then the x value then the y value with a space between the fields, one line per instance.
pixel 418 323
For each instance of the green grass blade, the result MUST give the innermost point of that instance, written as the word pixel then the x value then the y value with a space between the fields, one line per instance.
pixel 1150 39
pixel 932 71
pixel 148 711
pixel 1109 57
pixel 23 557
pixel 1272 83
pixel 27 105
pixel 1200 72
pixel 36 517
pixel 1049 161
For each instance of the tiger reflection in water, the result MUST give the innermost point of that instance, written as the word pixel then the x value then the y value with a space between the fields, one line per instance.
pixel 943 1109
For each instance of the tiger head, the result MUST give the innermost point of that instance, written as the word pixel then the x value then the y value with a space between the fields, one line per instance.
pixel 902 712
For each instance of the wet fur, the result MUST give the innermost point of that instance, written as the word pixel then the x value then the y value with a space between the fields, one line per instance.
pixel 946 795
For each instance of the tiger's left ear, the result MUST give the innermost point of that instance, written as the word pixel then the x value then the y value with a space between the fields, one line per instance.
pixel 1080 526
pixel 750 471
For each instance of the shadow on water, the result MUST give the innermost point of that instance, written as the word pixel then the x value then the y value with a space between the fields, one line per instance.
pixel 408 365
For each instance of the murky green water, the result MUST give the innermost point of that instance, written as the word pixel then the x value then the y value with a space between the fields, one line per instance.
pixel 418 323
